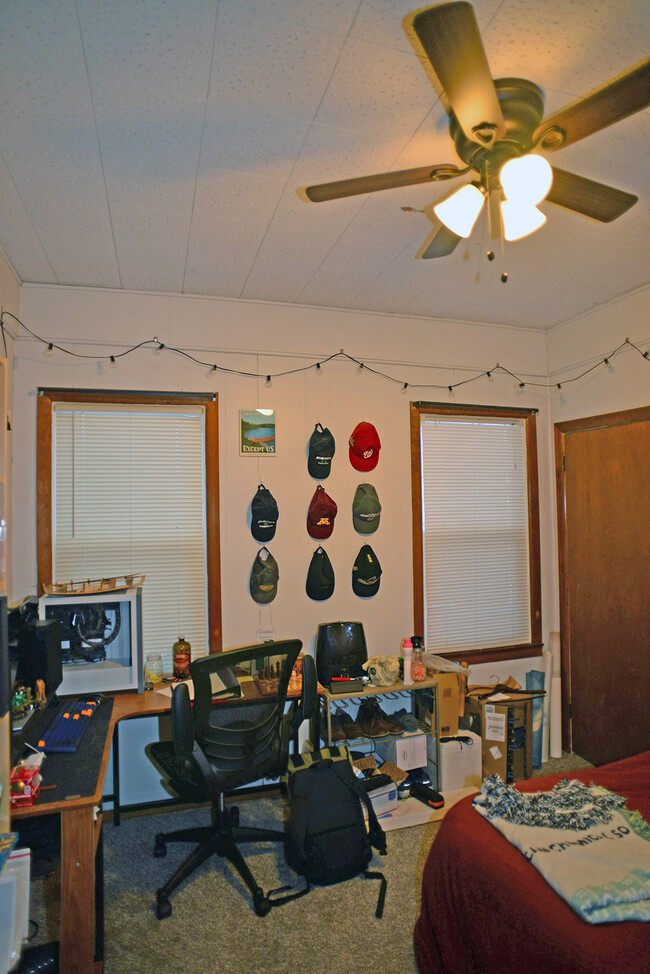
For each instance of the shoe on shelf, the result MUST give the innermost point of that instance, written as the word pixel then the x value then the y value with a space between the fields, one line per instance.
pixel 351 730
pixel 388 719
pixel 370 722
pixel 406 720
pixel 337 735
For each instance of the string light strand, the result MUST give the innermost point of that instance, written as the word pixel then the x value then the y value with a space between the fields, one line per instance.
pixel 362 366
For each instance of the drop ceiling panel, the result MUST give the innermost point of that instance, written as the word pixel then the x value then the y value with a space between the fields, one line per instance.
pixel 158 145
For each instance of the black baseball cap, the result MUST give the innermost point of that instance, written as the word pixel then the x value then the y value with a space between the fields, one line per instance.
pixel 321 451
pixel 366 573
pixel 320 576
pixel 264 514
pixel 263 583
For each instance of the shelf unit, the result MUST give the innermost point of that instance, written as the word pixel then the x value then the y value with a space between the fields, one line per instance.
pixel 329 701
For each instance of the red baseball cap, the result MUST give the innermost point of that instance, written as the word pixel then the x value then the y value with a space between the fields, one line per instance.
pixel 364 447
pixel 321 514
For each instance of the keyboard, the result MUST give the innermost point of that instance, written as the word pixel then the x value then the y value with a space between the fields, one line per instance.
pixel 68 726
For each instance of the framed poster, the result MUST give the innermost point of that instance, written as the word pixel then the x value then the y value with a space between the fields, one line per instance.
pixel 257 432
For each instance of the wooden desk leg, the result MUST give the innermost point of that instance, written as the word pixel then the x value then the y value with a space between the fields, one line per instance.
pixel 77 891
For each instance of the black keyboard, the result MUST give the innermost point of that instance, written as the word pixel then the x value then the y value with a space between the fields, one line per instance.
pixel 68 726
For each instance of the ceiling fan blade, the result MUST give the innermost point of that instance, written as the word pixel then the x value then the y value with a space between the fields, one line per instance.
pixel 447 37
pixel 440 242
pixel 623 95
pixel 596 200
pixel 372 184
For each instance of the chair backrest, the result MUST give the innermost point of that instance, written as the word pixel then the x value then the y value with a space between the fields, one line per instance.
pixel 247 740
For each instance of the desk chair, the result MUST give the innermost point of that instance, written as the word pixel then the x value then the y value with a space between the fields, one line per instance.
pixel 217 747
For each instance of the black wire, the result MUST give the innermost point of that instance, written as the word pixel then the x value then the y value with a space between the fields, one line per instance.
pixel 306 368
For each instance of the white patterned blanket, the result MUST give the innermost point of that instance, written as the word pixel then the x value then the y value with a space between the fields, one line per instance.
pixel 585 843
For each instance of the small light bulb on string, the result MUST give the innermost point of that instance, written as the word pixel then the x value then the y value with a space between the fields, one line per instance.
pixel 318 368
pixel 610 367
pixel 268 380
pixel 520 386
pixel 559 385
pixel 112 363
pixel 213 370
pixel 451 391
pixel 361 366
pixel 405 387
pixel 48 350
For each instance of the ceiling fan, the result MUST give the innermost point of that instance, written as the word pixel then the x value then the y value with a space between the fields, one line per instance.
pixel 495 125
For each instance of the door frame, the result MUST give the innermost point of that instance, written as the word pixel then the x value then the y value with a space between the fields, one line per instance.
pixel 622 418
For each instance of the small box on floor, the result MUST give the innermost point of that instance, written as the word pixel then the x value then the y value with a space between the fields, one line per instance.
pixel 384 799
pixel 406 752
pixel 507 733
pixel 460 762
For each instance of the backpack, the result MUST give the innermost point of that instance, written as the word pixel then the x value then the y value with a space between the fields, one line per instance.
pixel 328 839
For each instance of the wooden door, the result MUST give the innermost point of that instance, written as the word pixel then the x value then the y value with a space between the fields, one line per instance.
pixel 603 473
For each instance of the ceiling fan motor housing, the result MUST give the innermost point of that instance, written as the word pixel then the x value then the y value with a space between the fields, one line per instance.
pixel 522 106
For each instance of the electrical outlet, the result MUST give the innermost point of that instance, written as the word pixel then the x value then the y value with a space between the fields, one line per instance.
pixel 265 635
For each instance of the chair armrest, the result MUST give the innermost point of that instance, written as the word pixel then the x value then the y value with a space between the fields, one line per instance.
pixel 182 725
pixel 306 705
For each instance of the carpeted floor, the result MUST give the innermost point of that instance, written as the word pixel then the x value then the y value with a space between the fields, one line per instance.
pixel 332 930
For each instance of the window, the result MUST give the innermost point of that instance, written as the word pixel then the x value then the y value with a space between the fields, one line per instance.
pixel 126 484
pixel 476 530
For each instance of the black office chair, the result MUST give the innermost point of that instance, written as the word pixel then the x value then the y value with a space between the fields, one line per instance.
pixel 217 747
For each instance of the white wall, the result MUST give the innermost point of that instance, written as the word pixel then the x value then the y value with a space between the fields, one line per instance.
pixel 268 338
pixel 265 338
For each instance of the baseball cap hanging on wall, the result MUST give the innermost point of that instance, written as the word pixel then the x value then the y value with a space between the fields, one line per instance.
pixel 320 576
pixel 321 451
pixel 263 583
pixel 366 509
pixel 366 573
pixel 264 514
pixel 321 514
pixel 364 447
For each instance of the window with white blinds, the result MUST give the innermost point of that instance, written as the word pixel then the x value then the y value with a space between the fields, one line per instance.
pixel 128 496
pixel 476 586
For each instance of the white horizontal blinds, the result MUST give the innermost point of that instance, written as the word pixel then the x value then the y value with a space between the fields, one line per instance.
pixel 129 497
pixel 475 533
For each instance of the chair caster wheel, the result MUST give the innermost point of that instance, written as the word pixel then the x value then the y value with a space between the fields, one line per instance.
pixel 163 907
pixel 261 903
pixel 160 847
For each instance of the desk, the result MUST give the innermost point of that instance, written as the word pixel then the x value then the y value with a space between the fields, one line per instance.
pixel 81 937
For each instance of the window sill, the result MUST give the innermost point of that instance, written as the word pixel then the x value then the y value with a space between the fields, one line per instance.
pixel 494 653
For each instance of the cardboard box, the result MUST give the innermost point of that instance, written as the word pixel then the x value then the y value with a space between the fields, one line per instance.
pixel 406 752
pixel 448 704
pixel 460 763
pixel 383 799
pixel 507 733
pixel 24 785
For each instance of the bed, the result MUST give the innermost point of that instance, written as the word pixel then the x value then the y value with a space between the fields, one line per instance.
pixel 486 910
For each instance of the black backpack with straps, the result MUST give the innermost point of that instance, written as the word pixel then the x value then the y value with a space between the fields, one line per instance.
pixel 328 838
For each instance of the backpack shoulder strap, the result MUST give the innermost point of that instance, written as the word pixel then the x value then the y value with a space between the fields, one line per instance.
pixel 376 834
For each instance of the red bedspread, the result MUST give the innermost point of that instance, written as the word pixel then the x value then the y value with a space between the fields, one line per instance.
pixel 486 910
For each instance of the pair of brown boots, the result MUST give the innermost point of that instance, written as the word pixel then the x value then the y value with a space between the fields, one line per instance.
pixel 371 721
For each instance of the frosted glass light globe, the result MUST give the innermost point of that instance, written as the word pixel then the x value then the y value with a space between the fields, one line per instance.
pixel 459 211
pixel 527 179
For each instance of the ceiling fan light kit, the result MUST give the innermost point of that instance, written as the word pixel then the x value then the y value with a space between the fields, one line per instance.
pixel 459 212
pixel 495 124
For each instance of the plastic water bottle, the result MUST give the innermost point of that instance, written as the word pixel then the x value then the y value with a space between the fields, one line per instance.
pixel 407 652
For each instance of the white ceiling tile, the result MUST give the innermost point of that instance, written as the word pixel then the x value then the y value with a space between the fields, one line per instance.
pixel 159 145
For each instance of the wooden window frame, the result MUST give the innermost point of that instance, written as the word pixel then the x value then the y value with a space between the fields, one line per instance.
pixel 521 650
pixel 46 399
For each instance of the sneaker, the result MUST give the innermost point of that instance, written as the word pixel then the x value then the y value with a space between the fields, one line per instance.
pixel 406 720
pixel 421 775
